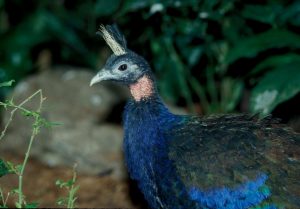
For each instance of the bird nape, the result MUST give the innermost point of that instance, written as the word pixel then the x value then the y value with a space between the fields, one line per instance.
pixel 223 162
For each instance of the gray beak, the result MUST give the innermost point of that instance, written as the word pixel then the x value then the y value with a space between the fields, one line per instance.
pixel 102 75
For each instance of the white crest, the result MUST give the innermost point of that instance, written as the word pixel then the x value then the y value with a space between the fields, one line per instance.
pixel 112 43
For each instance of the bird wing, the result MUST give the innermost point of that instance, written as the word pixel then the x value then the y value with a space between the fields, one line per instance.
pixel 230 154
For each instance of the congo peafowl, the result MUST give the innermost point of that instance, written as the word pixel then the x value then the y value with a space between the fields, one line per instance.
pixel 222 162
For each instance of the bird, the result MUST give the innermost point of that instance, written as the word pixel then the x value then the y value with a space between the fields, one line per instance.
pixel 226 161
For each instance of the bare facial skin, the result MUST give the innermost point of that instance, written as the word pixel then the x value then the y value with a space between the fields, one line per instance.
pixel 143 88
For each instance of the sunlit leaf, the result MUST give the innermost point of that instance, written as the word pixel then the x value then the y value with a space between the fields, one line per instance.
pixel 7 83
pixel 133 5
pixel 275 87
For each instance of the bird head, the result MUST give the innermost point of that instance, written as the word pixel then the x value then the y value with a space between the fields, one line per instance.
pixel 123 66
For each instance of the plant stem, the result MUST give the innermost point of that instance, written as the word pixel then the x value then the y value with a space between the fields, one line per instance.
pixel 36 127
pixel 2 197
pixel 35 131
pixel 16 107
pixel 20 189
pixel 72 191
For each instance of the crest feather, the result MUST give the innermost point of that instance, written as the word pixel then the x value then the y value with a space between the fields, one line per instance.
pixel 111 39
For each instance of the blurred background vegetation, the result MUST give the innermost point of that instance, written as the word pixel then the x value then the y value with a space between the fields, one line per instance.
pixel 210 56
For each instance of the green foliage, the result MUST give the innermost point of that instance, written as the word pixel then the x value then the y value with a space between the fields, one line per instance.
pixel 267 94
pixel 36 27
pixel 277 60
pixel 209 52
pixel 69 185
pixel 3 168
pixel 3 199
pixel 32 205
pixel 6 84
pixel 252 46
pixel 229 41
pixel 37 124
pixel 7 167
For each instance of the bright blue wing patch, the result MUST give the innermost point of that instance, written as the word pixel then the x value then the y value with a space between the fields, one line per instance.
pixel 249 194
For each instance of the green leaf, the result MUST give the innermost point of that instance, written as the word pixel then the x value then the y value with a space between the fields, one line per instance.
pixel 61 201
pixel 18 205
pixel 52 124
pixel 253 45
pixel 167 87
pixel 15 191
pixel 104 7
pixel 276 61
pixel 265 13
pixel 65 34
pixel 291 14
pixel 70 182
pixel 27 113
pixel 32 205
pixel 7 83
pixel 62 183
pixel 4 170
pixel 58 182
pixel 11 167
pixel 275 87
pixel 134 5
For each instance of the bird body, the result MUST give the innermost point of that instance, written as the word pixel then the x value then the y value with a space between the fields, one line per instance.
pixel 219 162
pixel 146 151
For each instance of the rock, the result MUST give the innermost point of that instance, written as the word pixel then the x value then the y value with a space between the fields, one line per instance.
pixel 95 149
pixel 83 137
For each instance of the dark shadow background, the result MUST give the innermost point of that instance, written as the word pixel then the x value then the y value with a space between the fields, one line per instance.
pixel 206 54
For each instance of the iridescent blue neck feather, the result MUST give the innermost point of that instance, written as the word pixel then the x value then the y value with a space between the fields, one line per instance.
pixel 146 152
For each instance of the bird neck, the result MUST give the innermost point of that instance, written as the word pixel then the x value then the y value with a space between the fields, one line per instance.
pixel 143 88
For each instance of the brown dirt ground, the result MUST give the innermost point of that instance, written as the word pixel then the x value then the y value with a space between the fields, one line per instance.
pixel 95 192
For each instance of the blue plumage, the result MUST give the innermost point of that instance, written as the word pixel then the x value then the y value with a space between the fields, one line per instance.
pixel 246 195
pixel 146 148
pixel 216 162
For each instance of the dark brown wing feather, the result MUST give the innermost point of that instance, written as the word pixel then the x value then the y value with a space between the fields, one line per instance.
pixel 227 150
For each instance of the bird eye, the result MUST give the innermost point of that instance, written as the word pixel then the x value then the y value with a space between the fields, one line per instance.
pixel 123 67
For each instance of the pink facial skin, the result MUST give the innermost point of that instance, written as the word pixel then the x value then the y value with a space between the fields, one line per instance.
pixel 143 88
